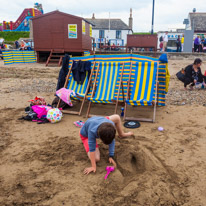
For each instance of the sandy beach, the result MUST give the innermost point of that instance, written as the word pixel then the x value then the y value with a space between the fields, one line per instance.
pixel 42 164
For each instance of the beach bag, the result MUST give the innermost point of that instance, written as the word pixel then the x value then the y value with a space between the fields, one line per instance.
pixel 41 110
pixel 181 75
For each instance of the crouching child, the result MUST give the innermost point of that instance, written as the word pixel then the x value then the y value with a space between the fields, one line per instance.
pixel 105 129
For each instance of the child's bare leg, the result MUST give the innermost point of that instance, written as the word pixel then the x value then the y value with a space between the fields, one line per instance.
pixel 116 119
pixel 97 155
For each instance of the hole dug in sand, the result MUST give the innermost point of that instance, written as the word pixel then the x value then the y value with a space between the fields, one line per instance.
pixel 143 180
pixel 136 160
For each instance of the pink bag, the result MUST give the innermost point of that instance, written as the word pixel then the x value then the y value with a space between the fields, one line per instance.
pixel 41 110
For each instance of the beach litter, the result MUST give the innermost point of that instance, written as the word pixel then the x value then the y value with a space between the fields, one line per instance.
pixel 160 129
pixel 79 123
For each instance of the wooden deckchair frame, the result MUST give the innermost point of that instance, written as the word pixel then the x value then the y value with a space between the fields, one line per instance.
pixel 154 103
pixel 84 98
pixel 94 88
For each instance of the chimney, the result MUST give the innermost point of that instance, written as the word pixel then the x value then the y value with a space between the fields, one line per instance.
pixel 130 20
pixel 93 17
pixel 194 10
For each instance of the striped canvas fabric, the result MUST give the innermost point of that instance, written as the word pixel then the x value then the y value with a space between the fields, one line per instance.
pixel 29 56
pixel 128 58
pixel 108 76
pixel 142 83
pixel 8 59
pixel 80 89
pixel 113 58
pixel 133 58
pixel 162 83
pixel 16 56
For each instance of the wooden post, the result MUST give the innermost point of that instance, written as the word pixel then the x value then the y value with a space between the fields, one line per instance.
pixel 93 90
pixel 128 88
pixel 120 83
pixel 66 82
pixel 87 89
pixel 155 103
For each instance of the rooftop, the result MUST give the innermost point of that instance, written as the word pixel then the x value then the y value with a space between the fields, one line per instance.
pixel 115 24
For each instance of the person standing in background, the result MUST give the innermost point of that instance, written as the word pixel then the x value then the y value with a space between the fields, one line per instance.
pixel 17 44
pixel 178 43
pixel 165 40
pixel 197 44
pixel 182 41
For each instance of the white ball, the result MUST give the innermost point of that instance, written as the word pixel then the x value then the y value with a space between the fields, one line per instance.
pixel 54 115
pixel 160 129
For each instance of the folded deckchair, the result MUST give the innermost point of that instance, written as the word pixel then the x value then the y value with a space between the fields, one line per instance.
pixel 141 87
pixel 108 77
pixel 81 90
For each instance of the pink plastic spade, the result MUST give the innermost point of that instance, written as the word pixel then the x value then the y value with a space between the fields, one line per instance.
pixel 108 169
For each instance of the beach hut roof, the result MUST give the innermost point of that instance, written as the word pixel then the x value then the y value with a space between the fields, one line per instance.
pixel 61 13
pixel 115 24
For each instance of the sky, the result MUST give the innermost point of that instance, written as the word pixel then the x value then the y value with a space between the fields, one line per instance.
pixel 168 14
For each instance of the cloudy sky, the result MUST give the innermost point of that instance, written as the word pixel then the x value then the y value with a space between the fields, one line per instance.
pixel 169 14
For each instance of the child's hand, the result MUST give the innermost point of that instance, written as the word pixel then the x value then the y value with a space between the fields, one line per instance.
pixel 89 169
pixel 112 162
pixel 126 134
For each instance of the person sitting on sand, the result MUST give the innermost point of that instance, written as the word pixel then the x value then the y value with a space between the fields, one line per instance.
pixel 105 129
pixel 194 75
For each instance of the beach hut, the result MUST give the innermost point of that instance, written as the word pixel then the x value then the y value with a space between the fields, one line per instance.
pixel 56 33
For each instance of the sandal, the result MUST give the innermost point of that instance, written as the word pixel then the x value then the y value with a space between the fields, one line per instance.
pixel 79 123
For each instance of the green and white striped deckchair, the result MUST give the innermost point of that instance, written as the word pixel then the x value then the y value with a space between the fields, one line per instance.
pixel 107 77
pixel 141 87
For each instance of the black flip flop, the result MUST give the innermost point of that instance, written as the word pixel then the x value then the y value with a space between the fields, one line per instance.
pixel 132 124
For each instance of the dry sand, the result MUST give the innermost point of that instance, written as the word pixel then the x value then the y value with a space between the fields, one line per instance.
pixel 42 164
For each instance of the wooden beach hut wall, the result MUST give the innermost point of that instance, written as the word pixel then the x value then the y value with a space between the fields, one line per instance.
pixel 58 32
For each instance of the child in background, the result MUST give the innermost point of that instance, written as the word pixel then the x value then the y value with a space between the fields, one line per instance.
pixel 105 129
pixel 161 45
pixel 22 45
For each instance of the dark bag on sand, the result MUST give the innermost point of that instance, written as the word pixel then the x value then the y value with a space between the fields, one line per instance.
pixel 181 75
pixel 62 104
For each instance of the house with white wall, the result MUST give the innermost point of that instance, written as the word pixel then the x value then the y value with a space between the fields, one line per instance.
pixel 109 30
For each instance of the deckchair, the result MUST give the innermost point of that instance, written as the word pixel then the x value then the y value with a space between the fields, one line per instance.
pixel 142 86
pixel 108 77
pixel 81 90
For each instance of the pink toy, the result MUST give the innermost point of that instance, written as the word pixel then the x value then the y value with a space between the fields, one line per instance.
pixel 108 169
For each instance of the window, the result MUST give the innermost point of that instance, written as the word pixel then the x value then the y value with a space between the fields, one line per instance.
pixel 118 34
pixel 101 33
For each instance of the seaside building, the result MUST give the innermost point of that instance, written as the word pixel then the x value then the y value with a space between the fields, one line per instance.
pixel 109 30
pixel 60 33
pixel 195 25
pixel 197 22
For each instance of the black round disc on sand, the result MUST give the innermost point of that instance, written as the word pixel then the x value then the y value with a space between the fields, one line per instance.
pixel 132 124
